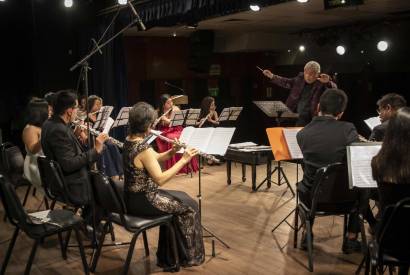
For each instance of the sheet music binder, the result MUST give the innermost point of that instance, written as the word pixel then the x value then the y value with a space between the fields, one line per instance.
pixel 283 143
pixel 102 117
pixel 359 157
pixel 122 117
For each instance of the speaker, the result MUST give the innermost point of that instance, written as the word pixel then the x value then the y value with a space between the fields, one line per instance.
pixel 201 50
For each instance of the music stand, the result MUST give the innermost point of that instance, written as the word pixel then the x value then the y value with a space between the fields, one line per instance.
pixel 191 117
pixel 177 118
pixel 275 109
pixel 230 114
pixel 122 117
pixel 102 117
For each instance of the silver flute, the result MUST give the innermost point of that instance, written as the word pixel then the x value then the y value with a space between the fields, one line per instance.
pixel 96 133
pixel 183 145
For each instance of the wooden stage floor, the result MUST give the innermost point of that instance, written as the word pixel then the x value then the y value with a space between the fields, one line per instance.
pixel 241 218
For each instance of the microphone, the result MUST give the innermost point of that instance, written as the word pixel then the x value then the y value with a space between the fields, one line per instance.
pixel 173 86
pixel 139 21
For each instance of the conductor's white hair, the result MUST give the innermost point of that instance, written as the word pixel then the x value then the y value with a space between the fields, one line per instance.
pixel 312 66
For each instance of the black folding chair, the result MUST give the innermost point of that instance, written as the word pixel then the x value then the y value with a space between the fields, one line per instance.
pixel 108 197
pixel 330 196
pixel 58 221
pixel 391 246
pixel 12 167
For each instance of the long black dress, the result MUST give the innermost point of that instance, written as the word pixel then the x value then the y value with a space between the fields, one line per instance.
pixel 143 198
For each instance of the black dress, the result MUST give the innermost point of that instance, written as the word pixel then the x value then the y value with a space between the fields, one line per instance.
pixel 143 198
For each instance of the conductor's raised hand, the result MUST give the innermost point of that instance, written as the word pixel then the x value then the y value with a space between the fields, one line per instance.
pixel 99 142
pixel 324 78
pixel 268 74
pixel 189 154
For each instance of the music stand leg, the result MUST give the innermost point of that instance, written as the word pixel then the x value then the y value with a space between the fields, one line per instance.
pixel 211 234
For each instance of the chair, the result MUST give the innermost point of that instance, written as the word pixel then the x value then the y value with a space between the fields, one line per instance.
pixel 330 196
pixel 59 222
pixel 391 246
pixel 108 197
pixel 12 167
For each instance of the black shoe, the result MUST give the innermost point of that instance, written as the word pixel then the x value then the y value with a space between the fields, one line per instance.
pixel 350 246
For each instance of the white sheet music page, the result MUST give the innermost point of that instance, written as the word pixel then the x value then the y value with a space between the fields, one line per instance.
pixel 219 142
pixel 200 138
pixel 186 134
pixel 224 115
pixel 108 125
pixel 177 118
pixel 291 141
pixel 359 165
pixel 235 112
pixel 373 122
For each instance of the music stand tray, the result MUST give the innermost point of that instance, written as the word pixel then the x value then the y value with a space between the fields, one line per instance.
pixel 275 109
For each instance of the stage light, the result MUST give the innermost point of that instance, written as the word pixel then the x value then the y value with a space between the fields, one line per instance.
pixel 340 50
pixel 174 34
pixel 382 45
pixel 303 1
pixel 362 51
pixel 289 50
pixel 254 7
pixel 302 48
pixel 68 3
pixel 122 2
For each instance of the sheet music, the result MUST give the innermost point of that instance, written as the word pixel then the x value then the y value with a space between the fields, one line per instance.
pixel 219 142
pixel 373 122
pixel 256 148
pixel 291 141
pixel 359 159
pixel 242 144
pixel 235 112
pixel 122 117
pixel 40 217
pixel 224 115
pixel 177 118
pixel 108 125
pixel 192 117
pixel 102 116
pixel 208 140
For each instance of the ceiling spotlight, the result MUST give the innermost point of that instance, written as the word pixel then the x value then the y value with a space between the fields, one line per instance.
pixel 343 2
pixel 362 51
pixel 254 7
pixel 289 50
pixel 68 3
pixel 303 1
pixel 382 45
pixel 122 2
pixel 2 0
pixel 340 50
pixel 302 48
pixel 174 34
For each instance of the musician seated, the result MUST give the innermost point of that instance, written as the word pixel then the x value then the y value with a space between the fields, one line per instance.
pixel 60 144
pixel 387 107
pixel 322 142
pixel 143 177
pixel 390 166
pixel 165 112
pixel 208 117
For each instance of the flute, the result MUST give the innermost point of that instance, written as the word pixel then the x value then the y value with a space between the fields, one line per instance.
pixel 202 121
pixel 159 118
pixel 183 145
pixel 96 133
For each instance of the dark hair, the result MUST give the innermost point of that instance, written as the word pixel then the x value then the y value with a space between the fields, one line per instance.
pixel 333 102
pixel 36 112
pixel 91 101
pixel 50 98
pixel 205 106
pixel 396 101
pixel 64 99
pixel 141 116
pixel 392 163
pixel 162 99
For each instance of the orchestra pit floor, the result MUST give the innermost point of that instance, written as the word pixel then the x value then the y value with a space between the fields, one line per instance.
pixel 239 217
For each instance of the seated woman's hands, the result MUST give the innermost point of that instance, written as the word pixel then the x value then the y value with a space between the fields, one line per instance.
pixel 189 154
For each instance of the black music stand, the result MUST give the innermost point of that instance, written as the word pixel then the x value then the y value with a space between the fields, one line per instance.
pixel 218 140
pixel 122 117
pixel 275 109
pixel 177 118
pixel 191 117
pixel 102 117
pixel 230 114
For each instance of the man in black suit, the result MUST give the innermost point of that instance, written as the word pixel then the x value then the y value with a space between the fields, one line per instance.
pixel 323 141
pixel 60 144
pixel 387 107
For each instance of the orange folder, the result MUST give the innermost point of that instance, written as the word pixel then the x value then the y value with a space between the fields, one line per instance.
pixel 278 142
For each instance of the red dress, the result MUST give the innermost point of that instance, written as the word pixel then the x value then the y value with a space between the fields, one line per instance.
pixel 163 146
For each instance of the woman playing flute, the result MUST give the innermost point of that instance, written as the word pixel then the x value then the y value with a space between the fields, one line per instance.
pixel 143 176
